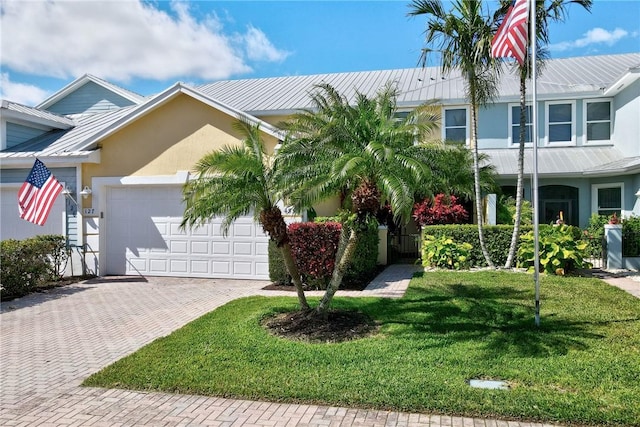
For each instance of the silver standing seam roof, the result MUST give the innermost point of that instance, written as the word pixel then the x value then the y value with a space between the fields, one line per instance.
pixel 55 119
pixel 581 76
pixel 561 78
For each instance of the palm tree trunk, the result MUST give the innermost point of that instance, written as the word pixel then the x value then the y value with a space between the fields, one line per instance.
pixel 292 268
pixel 346 251
pixel 476 178
pixel 520 182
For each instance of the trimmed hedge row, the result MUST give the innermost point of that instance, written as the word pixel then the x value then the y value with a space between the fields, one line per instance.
pixel 27 264
pixel 497 239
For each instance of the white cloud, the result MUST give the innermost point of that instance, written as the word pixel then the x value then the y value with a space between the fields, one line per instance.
pixel 21 93
pixel 259 48
pixel 121 40
pixel 591 37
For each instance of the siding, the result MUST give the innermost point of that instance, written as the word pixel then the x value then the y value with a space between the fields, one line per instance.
pixel 17 134
pixel 88 99
pixel 64 175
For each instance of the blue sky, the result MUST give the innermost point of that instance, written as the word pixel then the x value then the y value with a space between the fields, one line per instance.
pixel 147 46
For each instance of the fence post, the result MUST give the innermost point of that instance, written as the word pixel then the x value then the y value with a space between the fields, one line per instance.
pixel 613 235
pixel 383 235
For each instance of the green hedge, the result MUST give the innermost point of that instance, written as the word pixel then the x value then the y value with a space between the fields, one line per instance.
pixel 27 264
pixel 497 239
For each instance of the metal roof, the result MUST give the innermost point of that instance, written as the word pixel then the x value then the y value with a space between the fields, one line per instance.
pixel 30 113
pixel 559 161
pixel 92 128
pixel 580 76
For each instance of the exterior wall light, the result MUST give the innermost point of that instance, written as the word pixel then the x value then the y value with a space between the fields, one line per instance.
pixel 86 192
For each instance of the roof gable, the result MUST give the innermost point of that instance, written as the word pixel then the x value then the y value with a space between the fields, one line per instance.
pixel 89 94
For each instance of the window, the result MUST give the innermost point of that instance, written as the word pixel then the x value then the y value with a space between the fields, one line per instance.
pixel 597 121
pixel 607 198
pixel 560 123
pixel 455 125
pixel 514 125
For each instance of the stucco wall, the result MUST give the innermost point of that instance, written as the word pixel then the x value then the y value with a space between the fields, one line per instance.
pixel 171 138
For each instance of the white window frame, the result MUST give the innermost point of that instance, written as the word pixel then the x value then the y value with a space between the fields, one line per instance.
pixel 585 122
pixel 467 140
pixel 595 205
pixel 547 124
pixel 510 125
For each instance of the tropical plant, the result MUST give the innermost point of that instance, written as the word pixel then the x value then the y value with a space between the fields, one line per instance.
pixel 560 252
pixel 362 151
pixel 444 252
pixel 462 36
pixel 554 10
pixel 442 209
pixel 235 181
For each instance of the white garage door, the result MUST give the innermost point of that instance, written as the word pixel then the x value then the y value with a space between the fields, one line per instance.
pixel 14 227
pixel 143 236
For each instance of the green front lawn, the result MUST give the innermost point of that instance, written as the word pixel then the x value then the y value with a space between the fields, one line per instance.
pixel 582 366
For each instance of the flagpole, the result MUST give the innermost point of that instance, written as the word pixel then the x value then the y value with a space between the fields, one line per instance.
pixel 534 118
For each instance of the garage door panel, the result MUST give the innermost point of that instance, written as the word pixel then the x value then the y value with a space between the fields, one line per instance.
pixel 221 248
pixel 262 248
pixel 146 229
pixel 199 247
pixel 242 248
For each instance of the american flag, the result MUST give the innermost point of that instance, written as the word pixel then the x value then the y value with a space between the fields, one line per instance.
pixel 511 38
pixel 37 194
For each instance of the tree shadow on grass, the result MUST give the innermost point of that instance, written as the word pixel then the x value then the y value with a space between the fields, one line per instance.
pixel 500 318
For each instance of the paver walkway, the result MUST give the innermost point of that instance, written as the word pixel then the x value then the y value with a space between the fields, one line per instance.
pixel 50 342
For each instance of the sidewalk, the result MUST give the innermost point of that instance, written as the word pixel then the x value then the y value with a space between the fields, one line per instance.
pixel 628 281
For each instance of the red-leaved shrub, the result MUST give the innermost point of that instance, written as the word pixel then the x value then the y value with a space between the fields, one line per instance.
pixel 442 209
pixel 314 247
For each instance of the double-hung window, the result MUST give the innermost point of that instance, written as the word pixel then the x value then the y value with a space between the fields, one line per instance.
pixel 561 118
pixel 607 198
pixel 514 125
pixel 456 125
pixel 597 127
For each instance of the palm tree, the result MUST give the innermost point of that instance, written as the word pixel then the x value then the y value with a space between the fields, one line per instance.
pixel 463 39
pixel 555 10
pixel 361 150
pixel 234 181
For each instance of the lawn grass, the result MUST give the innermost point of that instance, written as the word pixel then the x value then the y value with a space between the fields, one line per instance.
pixel 581 366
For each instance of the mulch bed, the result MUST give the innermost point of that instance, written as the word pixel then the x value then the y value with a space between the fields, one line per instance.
pixel 308 326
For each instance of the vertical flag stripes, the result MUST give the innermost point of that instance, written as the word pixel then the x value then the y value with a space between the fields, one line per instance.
pixel 511 38
pixel 37 194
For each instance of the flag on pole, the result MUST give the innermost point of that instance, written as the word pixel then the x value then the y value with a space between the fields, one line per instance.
pixel 37 194
pixel 511 38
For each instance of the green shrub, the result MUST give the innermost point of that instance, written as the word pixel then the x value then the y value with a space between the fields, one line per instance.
pixel 27 264
pixel 594 234
pixel 364 265
pixel 560 250
pixel 278 273
pixel 497 239
pixel 631 237
pixel 444 252
pixel 506 211
pixel 58 252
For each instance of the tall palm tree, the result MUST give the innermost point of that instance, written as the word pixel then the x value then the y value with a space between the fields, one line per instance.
pixel 362 150
pixel 462 37
pixel 556 11
pixel 235 181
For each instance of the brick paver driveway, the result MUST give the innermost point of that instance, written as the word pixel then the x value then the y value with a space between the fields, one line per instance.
pixel 50 342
